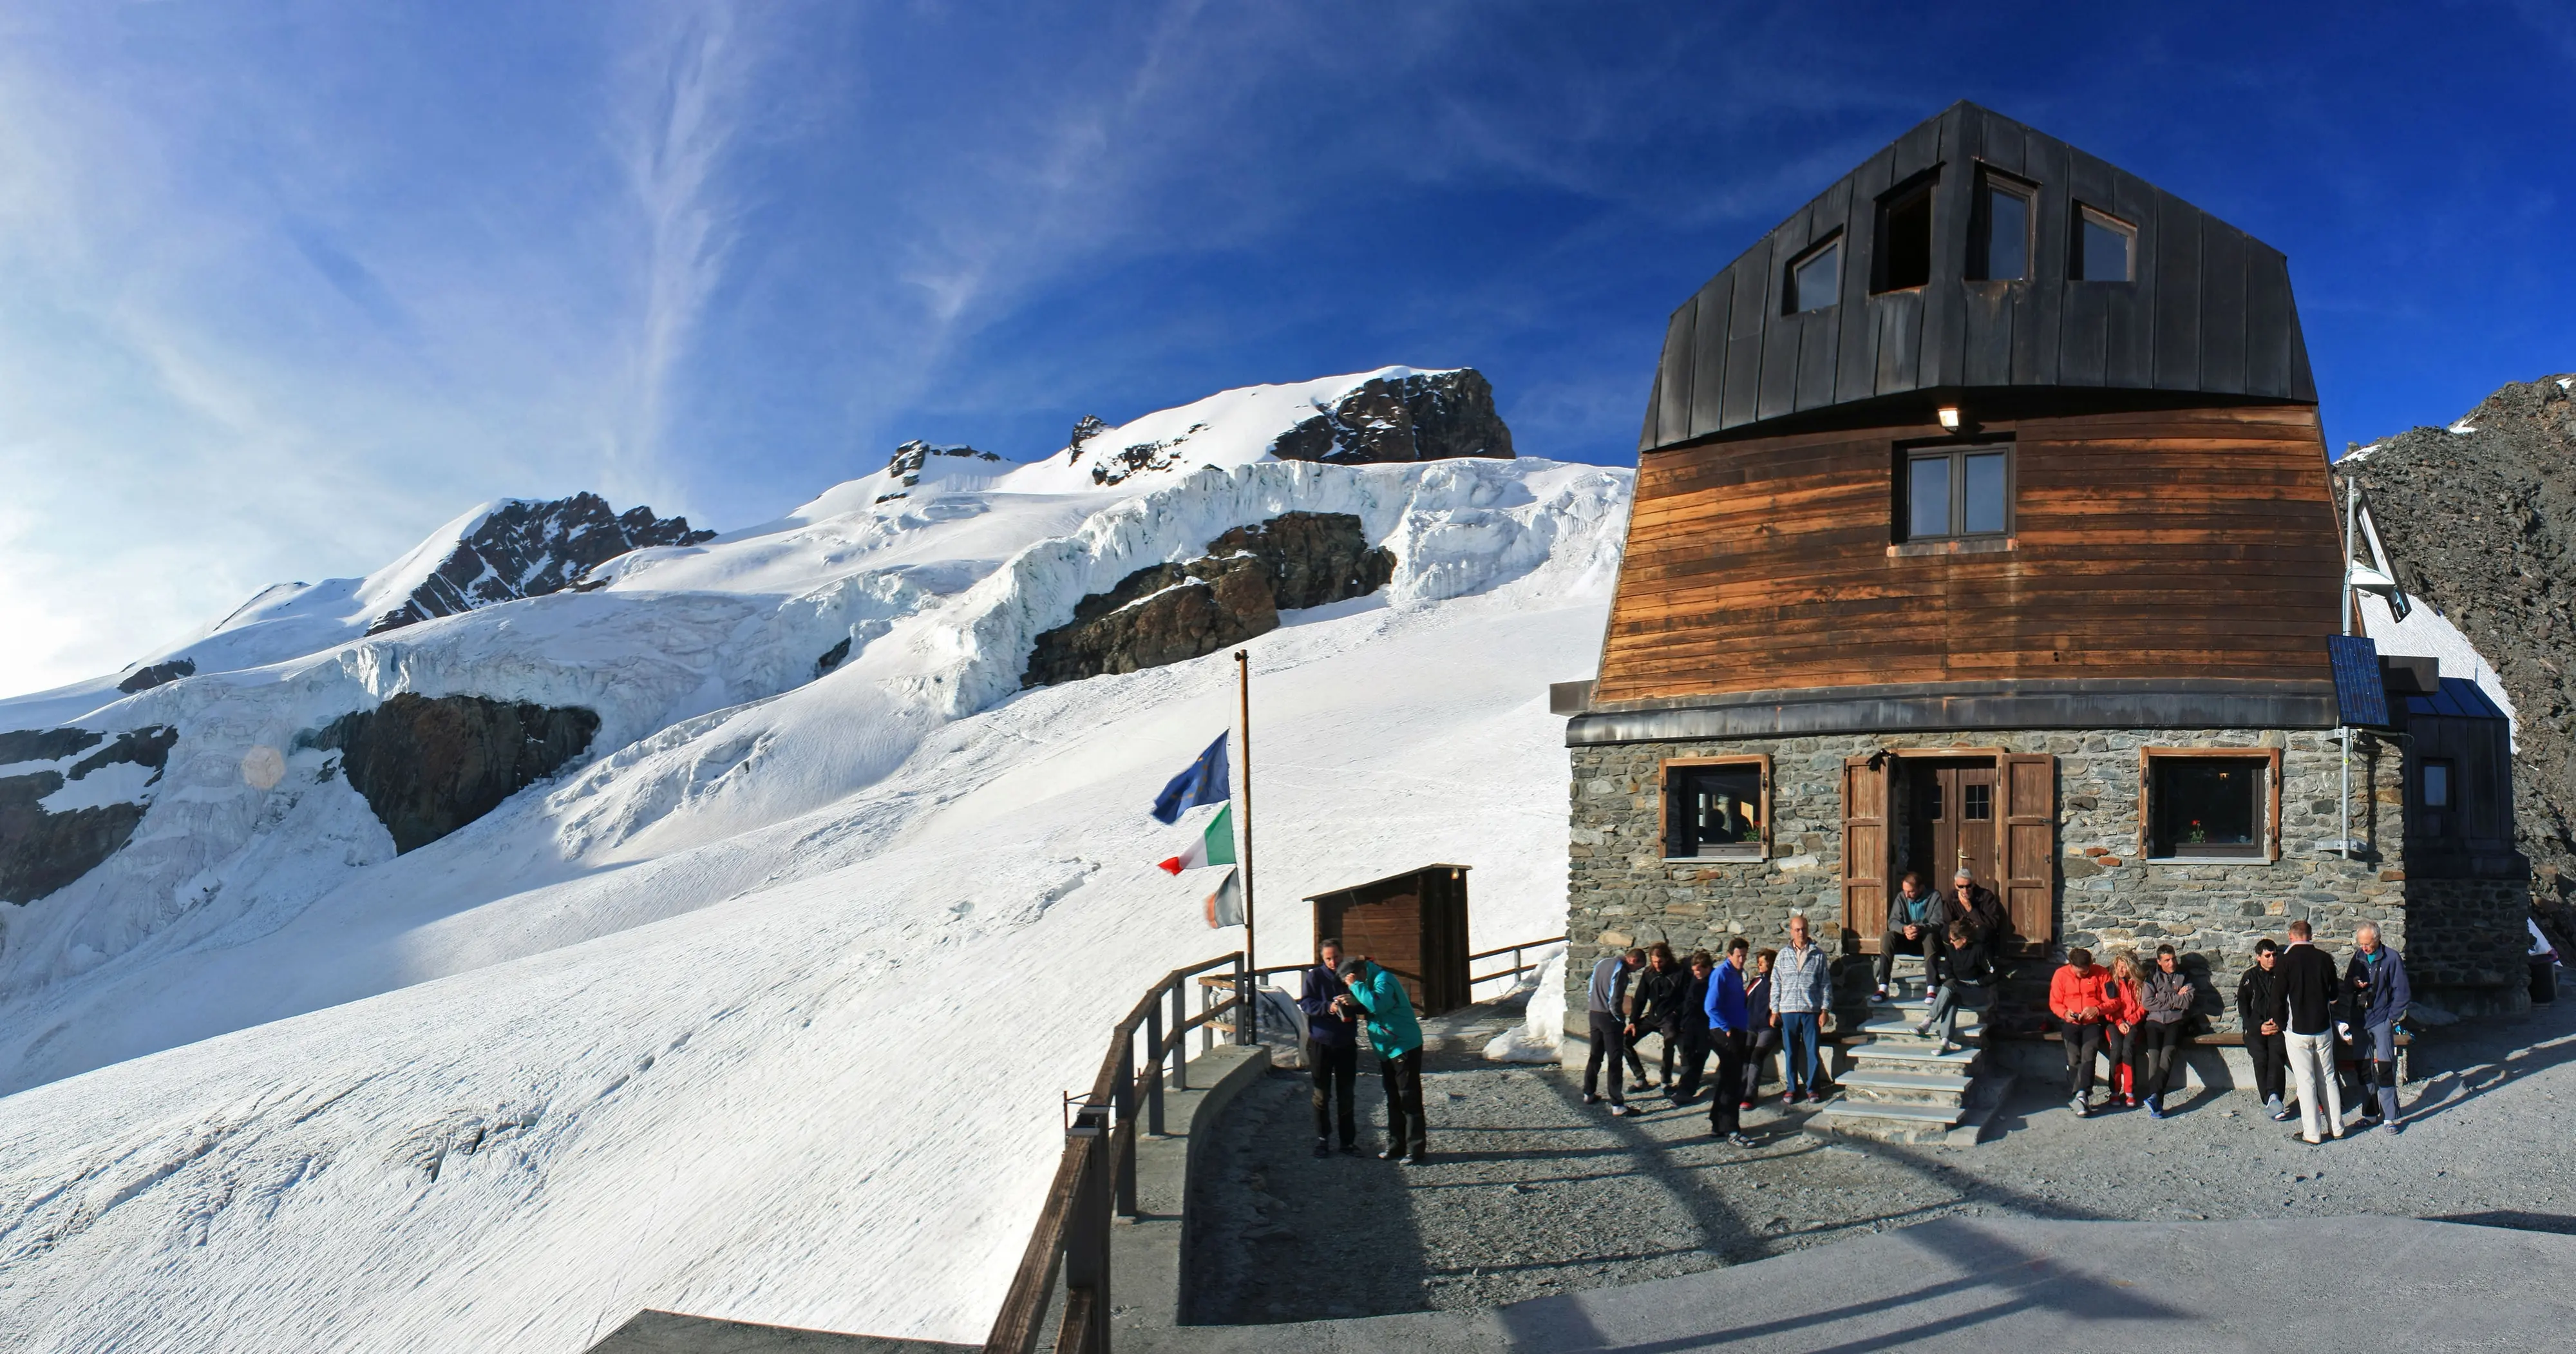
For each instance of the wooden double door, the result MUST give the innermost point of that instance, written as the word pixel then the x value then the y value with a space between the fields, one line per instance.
pixel 1992 814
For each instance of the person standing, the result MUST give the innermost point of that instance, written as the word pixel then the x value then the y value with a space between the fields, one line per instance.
pixel 1693 1035
pixel 1655 1007
pixel 2123 1014
pixel 1765 1036
pixel 1332 1048
pixel 1980 913
pixel 1916 917
pixel 2308 989
pixel 2262 1006
pixel 1799 992
pixel 2380 996
pixel 1607 999
pixel 1397 1037
pixel 2167 995
pixel 1726 1028
pixel 2076 998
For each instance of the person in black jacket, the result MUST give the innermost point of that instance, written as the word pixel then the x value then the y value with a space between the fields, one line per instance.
pixel 1693 1034
pixel 1332 1047
pixel 1976 910
pixel 2314 995
pixel 1765 1043
pixel 2264 1007
pixel 1654 1006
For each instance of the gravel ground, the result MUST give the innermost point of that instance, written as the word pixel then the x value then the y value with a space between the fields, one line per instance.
pixel 1529 1192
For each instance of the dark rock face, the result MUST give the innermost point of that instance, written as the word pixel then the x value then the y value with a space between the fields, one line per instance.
pixel 1428 416
pixel 1118 465
pixel 529 549
pixel 913 455
pixel 1169 612
pixel 832 657
pixel 430 766
pixel 41 851
pixel 1088 428
pixel 156 674
pixel 2482 526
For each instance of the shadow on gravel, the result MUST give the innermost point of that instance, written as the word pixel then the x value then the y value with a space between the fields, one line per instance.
pixel 2520 1222
pixel 2498 1061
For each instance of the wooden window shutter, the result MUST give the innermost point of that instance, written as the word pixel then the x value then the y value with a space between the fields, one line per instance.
pixel 1865 849
pixel 2029 856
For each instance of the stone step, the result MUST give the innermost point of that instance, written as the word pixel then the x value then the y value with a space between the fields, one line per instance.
pixel 1909 1055
pixel 1875 1087
pixel 1967 1025
pixel 1886 1122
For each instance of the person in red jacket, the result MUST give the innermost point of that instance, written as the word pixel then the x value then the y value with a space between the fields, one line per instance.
pixel 2124 1036
pixel 2076 998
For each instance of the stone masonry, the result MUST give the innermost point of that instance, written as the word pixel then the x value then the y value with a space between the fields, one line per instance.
pixel 2462 947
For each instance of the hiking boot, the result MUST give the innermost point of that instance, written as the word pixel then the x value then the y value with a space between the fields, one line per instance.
pixel 2155 1107
pixel 1618 1111
pixel 1323 1149
pixel 2282 1114
pixel 1741 1139
pixel 1591 1099
pixel 1350 1149
pixel 1390 1154
pixel 2083 1108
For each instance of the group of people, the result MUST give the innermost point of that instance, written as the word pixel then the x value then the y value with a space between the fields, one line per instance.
pixel 2303 1021
pixel 2298 1013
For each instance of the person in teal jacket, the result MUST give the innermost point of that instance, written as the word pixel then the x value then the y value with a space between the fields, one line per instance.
pixel 1397 1037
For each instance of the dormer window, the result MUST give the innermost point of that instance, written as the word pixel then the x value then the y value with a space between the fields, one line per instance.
pixel 1815 278
pixel 1905 237
pixel 2105 247
pixel 1999 229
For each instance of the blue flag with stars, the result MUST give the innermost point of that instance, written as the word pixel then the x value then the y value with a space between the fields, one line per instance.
pixel 1204 783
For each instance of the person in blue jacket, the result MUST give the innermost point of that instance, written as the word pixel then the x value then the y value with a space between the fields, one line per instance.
pixel 1397 1037
pixel 1728 1024
pixel 1332 1049
pixel 2380 996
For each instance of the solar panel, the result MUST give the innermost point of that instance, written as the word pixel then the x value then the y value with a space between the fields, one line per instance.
pixel 2360 699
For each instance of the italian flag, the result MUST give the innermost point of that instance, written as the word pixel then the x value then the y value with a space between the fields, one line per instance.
pixel 1214 846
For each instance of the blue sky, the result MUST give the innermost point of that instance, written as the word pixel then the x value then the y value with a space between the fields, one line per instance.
pixel 285 286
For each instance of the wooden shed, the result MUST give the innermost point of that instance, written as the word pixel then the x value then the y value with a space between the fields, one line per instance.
pixel 1413 924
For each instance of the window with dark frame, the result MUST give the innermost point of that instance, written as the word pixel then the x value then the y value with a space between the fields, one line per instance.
pixel 1815 279
pixel 1957 492
pixel 2207 807
pixel 2105 247
pixel 1999 228
pixel 2435 789
pixel 1714 811
pixel 1904 254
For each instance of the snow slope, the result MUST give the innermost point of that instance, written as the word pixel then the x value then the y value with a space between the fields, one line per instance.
pixel 763 1011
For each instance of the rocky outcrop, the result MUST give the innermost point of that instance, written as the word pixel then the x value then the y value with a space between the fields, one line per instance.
pixel 42 850
pixel 527 548
pixel 2480 521
pixel 910 459
pixel 430 765
pixel 1169 612
pixel 157 674
pixel 1427 416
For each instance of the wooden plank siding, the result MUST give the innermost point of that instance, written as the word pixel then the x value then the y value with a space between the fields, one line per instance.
pixel 2188 543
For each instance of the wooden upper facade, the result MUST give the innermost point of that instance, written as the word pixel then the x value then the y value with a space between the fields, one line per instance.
pixel 1936 290
pixel 2143 533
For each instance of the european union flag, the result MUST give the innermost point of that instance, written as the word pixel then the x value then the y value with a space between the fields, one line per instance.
pixel 1204 783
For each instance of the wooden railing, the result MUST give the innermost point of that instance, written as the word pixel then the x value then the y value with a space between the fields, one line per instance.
pixel 1095 1181
pixel 1096 1178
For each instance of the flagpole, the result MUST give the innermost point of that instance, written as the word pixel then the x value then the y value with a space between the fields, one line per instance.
pixel 1243 692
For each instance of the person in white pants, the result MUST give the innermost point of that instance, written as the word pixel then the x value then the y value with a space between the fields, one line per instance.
pixel 2308 981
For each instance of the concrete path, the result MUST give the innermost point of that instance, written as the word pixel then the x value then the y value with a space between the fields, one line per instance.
pixel 2277 1286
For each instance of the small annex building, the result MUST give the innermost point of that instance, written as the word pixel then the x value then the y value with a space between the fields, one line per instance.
pixel 1984 519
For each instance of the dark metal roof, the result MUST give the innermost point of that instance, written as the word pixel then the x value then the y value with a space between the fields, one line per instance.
pixel 2459 698
pixel 1396 878
pixel 2208 309
pixel 2360 699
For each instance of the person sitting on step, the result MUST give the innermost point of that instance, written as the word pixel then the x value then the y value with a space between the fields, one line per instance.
pixel 1944 1015
pixel 2123 1040
pixel 1987 927
pixel 2167 994
pixel 1916 917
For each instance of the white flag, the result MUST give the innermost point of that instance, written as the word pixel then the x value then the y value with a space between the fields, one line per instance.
pixel 1225 906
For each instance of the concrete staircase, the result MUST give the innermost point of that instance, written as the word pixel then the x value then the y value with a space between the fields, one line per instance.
pixel 1899 1086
